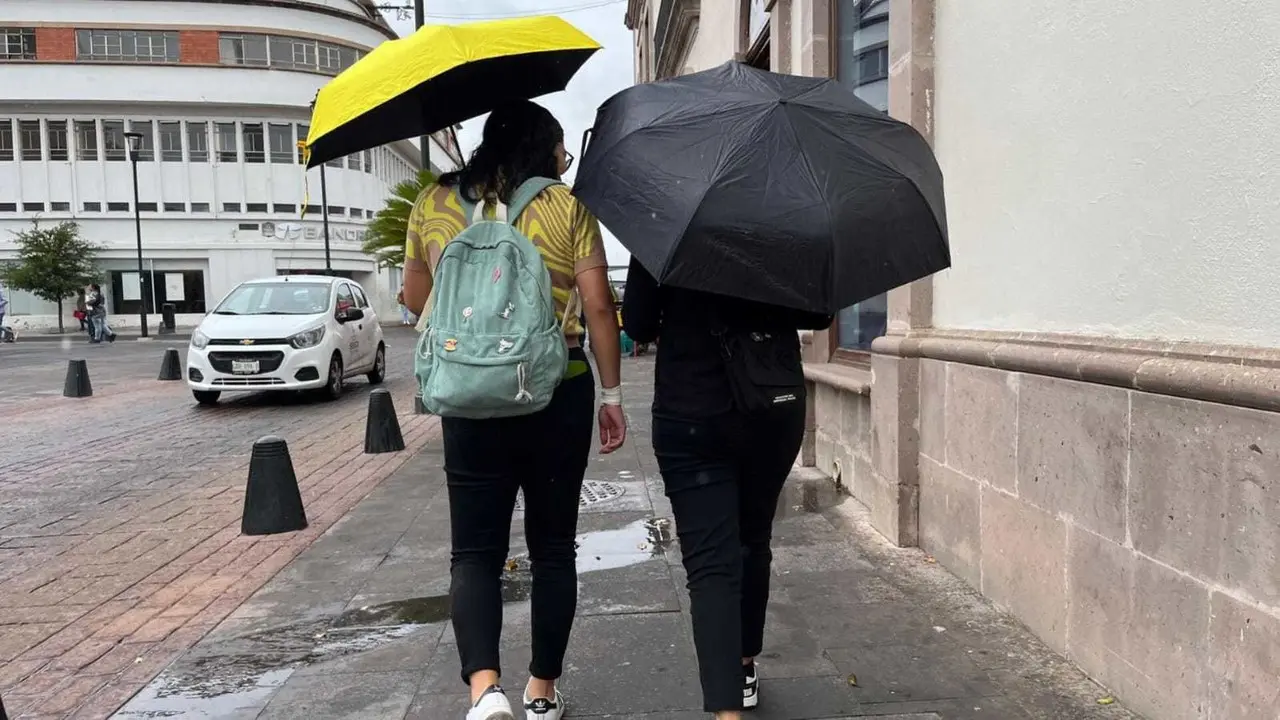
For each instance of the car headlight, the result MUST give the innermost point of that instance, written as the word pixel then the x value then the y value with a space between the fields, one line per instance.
pixel 307 338
pixel 199 340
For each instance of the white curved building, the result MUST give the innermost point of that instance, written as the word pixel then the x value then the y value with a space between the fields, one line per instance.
pixel 221 92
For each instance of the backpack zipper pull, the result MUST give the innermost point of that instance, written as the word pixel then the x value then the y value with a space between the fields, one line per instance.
pixel 522 394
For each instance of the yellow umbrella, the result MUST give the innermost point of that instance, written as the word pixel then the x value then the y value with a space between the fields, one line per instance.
pixel 440 76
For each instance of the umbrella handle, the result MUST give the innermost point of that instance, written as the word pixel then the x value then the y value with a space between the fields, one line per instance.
pixel 586 140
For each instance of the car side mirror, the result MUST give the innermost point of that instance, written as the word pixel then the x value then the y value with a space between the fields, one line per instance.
pixel 350 314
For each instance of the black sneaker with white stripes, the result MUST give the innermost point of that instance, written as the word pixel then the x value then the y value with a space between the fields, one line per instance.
pixel 750 687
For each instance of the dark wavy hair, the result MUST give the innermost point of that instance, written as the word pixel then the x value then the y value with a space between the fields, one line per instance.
pixel 519 143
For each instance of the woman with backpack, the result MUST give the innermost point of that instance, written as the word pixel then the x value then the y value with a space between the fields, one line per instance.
pixel 728 420
pixel 513 177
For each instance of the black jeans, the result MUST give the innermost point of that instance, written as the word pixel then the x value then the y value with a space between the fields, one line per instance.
pixel 723 476
pixel 486 461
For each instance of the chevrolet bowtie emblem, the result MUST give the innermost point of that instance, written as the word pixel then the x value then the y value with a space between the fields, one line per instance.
pixel 246 341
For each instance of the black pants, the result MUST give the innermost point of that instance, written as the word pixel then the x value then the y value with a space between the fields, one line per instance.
pixel 486 461
pixel 723 476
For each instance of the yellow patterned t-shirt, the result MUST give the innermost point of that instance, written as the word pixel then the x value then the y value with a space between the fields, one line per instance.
pixel 564 231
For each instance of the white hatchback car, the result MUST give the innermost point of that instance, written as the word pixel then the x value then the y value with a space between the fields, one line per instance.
pixel 294 332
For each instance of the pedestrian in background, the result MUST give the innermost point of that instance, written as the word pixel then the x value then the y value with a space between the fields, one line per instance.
pixel 406 317
pixel 728 420
pixel 97 305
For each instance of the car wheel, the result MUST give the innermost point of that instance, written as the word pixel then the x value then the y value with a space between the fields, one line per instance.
pixel 207 397
pixel 333 389
pixel 379 371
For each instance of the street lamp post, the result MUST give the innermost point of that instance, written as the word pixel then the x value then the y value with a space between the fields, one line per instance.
pixel 135 144
pixel 324 215
pixel 324 202
pixel 420 19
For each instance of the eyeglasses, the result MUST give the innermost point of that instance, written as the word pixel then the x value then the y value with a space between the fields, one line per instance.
pixel 568 160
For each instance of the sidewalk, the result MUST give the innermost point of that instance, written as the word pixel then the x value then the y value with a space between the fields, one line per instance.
pixel 357 626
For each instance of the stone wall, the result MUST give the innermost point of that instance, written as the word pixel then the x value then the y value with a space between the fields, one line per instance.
pixel 1135 532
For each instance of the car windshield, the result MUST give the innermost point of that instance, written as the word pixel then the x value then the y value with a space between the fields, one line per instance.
pixel 282 298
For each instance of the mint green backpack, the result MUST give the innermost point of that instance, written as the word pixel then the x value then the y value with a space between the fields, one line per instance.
pixel 491 346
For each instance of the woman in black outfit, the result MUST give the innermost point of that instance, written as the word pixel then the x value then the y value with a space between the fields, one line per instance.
pixel 723 466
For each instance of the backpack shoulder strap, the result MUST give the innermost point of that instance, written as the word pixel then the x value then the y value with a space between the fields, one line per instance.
pixel 528 191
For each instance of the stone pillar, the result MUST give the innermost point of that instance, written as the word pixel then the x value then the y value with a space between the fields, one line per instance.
pixel 895 393
pixel 780 36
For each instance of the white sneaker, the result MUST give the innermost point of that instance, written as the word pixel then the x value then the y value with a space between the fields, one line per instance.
pixel 750 687
pixel 493 705
pixel 542 708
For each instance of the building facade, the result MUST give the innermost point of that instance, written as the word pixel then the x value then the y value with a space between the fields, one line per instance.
pixel 221 93
pixel 1081 417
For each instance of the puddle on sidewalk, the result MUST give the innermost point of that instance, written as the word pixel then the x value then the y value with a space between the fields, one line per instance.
pixel 638 542
pixel 808 497
pixel 237 676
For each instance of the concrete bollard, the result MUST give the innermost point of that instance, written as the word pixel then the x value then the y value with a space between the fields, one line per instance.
pixel 171 366
pixel 272 502
pixel 77 384
pixel 382 429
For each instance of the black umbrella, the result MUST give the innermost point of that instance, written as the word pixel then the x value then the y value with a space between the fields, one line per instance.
pixel 776 188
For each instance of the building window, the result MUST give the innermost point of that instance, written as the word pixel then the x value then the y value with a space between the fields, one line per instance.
pixel 199 207
pixel 357 212
pixel 6 139
pixel 33 207
pixel 198 142
pixel 337 210
pixel 312 210
pixel 29 137
pixel 303 131
pixel 863 65
pixel 117 207
pixel 255 145
pixel 8 207
pixel 93 207
pixel 86 139
pixel 17 44
pixel 183 288
pixel 140 46
pixel 171 142
pixel 60 207
pixel 56 131
pixel 353 161
pixel 284 209
pixel 113 142
pixel 225 137
pixel 335 163
pixel 256 207
pixel 231 207
pixel 249 226
pixel 281 139
pixel 175 207
pixel 367 157
pixel 286 53
pixel 243 50
pixel 148 207
pixel 147 146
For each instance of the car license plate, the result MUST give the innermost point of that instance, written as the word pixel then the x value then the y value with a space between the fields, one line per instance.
pixel 244 367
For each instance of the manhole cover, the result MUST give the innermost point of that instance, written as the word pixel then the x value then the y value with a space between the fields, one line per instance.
pixel 593 492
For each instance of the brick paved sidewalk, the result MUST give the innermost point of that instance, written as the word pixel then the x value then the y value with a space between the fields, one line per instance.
pixel 357 627
pixel 119 528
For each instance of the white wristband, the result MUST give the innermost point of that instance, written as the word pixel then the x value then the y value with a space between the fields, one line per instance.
pixel 611 396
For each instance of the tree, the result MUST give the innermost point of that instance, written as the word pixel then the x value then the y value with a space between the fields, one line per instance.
pixel 53 264
pixel 384 237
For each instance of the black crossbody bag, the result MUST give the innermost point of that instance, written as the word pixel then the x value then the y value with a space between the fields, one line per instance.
pixel 764 368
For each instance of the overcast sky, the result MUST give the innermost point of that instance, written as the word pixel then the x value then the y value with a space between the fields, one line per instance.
pixel 607 72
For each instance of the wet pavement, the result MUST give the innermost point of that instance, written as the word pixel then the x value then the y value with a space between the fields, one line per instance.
pixel 358 625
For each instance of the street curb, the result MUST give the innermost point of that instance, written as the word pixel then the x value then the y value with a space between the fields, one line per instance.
pixel 45 338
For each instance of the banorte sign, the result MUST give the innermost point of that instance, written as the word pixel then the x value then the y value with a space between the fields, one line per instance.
pixel 301 231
